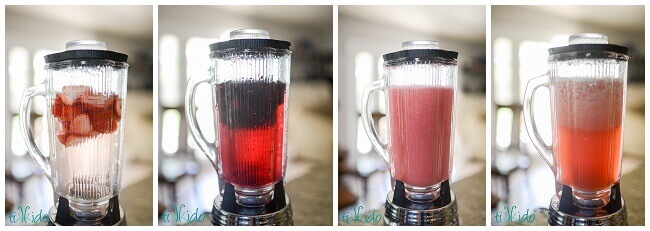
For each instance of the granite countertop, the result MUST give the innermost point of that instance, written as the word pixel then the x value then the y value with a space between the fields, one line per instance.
pixel 137 201
pixel 470 196
pixel 311 198
pixel 633 191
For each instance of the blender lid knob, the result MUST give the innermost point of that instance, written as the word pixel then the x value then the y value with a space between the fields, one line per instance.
pixel 588 38
pixel 420 44
pixel 249 34
pixel 86 44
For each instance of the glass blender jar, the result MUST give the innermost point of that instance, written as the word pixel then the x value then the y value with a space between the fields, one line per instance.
pixel 420 83
pixel 587 83
pixel 85 90
pixel 249 78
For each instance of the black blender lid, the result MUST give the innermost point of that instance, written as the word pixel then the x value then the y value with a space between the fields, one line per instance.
pixel 420 49
pixel 250 38
pixel 86 49
pixel 586 42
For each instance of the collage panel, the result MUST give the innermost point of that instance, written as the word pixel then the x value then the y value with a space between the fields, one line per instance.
pixel 568 108
pixel 80 153
pixel 173 113
pixel 248 139
pixel 413 153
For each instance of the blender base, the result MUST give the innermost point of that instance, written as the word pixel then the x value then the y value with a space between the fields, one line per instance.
pixel 401 212
pixel 226 211
pixel 115 216
pixel 562 211
pixel 557 217
pixel 221 217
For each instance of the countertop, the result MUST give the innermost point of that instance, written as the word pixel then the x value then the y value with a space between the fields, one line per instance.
pixel 471 199
pixel 470 196
pixel 137 201
pixel 633 191
pixel 311 198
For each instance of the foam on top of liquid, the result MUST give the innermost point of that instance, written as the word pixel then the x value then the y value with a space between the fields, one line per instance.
pixel 588 104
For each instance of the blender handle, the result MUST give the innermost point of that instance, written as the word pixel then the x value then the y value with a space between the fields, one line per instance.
pixel 28 135
pixel 529 119
pixel 367 120
pixel 195 130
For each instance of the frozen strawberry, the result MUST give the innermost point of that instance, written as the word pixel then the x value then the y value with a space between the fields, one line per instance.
pixel 71 112
pixel 61 136
pixel 81 125
pixel 57 107
pixel 114 126
pixel 97 102
pixel 72 93
pixel 102 121
pixel 118 108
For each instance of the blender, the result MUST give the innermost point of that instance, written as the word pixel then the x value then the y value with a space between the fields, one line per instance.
pixel 85 91
pixel 587 84
pixel 249 79
pixel 420 83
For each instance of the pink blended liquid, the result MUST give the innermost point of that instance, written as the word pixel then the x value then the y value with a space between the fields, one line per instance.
pixel 420 133
pixel 587 144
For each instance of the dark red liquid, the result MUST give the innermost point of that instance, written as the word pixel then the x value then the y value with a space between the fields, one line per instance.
pixel 250 132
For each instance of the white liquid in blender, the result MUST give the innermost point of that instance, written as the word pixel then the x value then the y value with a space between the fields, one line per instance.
pixel 86 168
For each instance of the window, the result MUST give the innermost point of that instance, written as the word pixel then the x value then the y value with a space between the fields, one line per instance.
pixel 504 128
pixel 170 91
pixel 533 58
pixel 381 96
pixel 18 76
pixel 18 146
pixel 197 56
pixel 39 75
pixel 362 73
pixel 503 82
pixel 363 142
pixel 171 127
pixel 533 62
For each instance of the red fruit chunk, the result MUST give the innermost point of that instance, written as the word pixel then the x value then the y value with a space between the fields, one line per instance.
pixel 118 108
pixel 72 93
pixel 81 125
pixel 61 136
pixel 72 112
pixel 103 122
pixel 57 107
pixel 97 102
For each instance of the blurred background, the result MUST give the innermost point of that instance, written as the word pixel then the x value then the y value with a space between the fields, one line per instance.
pixel 35 31
pixel 365 34
pixel 185 174
pixel 521 36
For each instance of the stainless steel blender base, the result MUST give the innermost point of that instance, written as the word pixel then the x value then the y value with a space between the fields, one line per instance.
pixel 557 217
pixel 221 217
pixel 53 211
pixel 397 215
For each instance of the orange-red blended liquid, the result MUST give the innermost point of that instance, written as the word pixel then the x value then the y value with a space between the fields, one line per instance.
pixel 420 133
pixel 589 120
